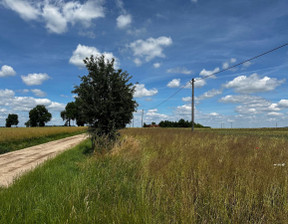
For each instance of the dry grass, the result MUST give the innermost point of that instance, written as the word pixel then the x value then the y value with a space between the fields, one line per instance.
pixel 15 134
pixel 205 177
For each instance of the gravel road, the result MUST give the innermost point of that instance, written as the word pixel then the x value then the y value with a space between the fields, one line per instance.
pixel 14 164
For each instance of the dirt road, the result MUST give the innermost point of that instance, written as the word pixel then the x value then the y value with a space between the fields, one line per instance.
pixel 13 164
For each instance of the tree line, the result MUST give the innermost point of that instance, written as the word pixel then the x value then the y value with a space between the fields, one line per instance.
pixel 175 124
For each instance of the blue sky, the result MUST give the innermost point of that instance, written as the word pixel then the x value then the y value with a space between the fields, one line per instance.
pixel 162 44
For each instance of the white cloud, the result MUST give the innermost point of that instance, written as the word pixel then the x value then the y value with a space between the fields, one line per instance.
pixel 210 94
pixel 123 21
pixel 233 60
pixel 187 99
pixel 83 51
pixel 150 48
pixel 58 14
pixel 154 115
pixel 214 114
pixel 25 9
pixel 199 82
pixel 247 64
pixel 283 103
pixel 7 70
pixel 38 92
pixel 174 83
pixel 225 65
pixel 206 73
pixel 194 1
pixel 250 104
pixel 34 79
pixel 180 70
pixel 156 65
pixel 274 114
pixel 141 91
pixel 253 84
pixel 55 21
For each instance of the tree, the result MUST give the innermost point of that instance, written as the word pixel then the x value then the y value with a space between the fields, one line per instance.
pixel 12 119
pixel 38 116
pixel 70 113
pixel 105 98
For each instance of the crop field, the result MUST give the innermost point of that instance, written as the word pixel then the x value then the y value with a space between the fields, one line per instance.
pixel 16 138
pixel 160 176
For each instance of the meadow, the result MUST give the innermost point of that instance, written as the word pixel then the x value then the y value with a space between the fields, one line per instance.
pixel 12 139
pixel 159 176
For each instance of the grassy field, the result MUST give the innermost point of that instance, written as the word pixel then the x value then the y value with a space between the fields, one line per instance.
pixel 158 176
pixel 12 139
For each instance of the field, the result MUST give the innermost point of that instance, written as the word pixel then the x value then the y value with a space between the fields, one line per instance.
pixel 160 176
pixel 17 138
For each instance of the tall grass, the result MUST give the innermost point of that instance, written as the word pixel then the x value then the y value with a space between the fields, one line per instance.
pixel 17 138
pixel 157 176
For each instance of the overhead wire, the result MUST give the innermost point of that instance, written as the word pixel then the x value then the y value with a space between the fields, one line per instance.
pixel 223 70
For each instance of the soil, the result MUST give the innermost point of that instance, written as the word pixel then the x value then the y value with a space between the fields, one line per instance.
pixel 14 164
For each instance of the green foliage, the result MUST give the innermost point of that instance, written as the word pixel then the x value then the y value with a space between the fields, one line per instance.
pixel 72 112
pixel 38 116
pixel 105 98
pixel 179 124
pixel 12 119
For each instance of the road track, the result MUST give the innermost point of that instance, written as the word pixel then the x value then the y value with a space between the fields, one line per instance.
pixel 14 164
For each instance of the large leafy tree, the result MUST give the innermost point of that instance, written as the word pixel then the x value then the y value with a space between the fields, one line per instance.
pixel 105 97
pixel 12 119
pixel 38 116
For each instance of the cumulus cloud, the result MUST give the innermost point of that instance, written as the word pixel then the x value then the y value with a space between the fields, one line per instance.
pixel 198 82
pixel 149 49
pixel 123 21
pixel 58 14
pixel 253 84
pixel 38 92
pixel 55 21
pixel 156 65
pixel 141 91
pixel 250 104
pixel 174 83
pixel 20 103
pixel 206 73
pixel 82 51
pixel 35 78
pixel 153 115
pixel 210 94
pixel 187 99
pixel 7 70
pixel 283 103
pixel 180 70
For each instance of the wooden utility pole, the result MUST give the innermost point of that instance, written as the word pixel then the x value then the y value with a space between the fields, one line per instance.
pixel 142 124
pixel 192 107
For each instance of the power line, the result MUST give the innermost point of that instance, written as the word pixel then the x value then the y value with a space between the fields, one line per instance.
pixel 223 70
pixel 243 62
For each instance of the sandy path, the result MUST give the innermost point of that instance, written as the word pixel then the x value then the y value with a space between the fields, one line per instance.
pixel 13 164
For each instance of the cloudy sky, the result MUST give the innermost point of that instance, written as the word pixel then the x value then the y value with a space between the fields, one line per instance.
pixel 162 44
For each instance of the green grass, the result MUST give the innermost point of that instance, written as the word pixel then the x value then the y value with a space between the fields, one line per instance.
pixel 12 139
pixel 158 176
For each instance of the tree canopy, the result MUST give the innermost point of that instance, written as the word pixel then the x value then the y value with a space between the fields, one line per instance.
pixel 38 116
pixel 12 119
pixel 72 112
pixel 105 97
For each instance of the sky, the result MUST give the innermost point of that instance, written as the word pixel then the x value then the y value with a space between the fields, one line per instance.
pixel 162 45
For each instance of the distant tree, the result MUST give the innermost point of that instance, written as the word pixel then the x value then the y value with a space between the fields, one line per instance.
pixel 72 112
pixel 12 119
pixel 38 116
pixel 106 98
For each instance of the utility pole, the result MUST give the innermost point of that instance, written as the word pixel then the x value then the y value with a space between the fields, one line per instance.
pixel 192 107
pixel 142 124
